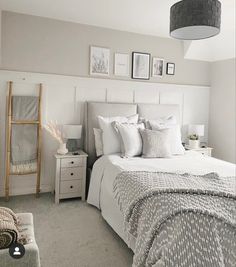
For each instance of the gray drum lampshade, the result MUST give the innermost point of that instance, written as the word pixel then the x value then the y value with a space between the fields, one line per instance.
pixel 195 19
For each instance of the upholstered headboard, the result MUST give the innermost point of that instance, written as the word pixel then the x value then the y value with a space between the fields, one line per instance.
pixel 155 111
pixel 94 109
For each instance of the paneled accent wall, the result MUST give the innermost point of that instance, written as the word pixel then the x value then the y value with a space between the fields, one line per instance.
pixel 63 98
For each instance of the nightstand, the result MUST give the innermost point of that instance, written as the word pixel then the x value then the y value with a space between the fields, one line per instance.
pixel 203 150
pixel 70 180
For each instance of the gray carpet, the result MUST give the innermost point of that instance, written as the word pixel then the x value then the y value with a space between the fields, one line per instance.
pixel 72 234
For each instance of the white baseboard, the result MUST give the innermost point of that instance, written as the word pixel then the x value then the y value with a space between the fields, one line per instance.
pixel 26 191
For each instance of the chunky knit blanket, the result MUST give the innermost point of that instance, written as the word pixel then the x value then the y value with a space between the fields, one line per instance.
pixel 179 219
pixel 8 227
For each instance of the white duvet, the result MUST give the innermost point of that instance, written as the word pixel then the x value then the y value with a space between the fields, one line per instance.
pixel 106 169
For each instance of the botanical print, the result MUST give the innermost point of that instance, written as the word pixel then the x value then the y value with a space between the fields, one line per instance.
pixel 141 65
pixel 157 67
pixel 121 64
pixel 99 61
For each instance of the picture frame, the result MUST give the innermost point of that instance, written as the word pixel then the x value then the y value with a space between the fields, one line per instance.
pixel 140 66
pixel 157 67
pixel 99 61
pixel 170 68
pixel 121 64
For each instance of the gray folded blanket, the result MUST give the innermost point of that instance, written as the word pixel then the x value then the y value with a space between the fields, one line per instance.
pixel 24 137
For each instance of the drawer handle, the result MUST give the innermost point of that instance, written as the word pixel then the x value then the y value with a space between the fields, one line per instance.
pixel 72 162
pixel 71 186
pixel 72 174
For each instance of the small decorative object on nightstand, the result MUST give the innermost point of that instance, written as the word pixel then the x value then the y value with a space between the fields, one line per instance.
pixel 70 180
pixel 195 131
pixel 203 150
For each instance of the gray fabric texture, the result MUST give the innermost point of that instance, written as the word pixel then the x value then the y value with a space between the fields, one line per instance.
pixel 24 137
pixel 155 143
pixel 23 144
pixel 179 219
pixel 25 107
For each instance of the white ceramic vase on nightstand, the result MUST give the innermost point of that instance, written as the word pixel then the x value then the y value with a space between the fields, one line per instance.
pixel 193 144
pixel 62 149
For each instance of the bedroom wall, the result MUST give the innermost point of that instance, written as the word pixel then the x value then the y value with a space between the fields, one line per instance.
pixel 222 121
pixel 63 98
pixel 40 45
pixel 43 45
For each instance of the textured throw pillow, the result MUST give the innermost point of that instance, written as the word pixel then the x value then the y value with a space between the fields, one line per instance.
pixel 175 134
pixel 131 141
pixel 110 138
pixel 156 143
pixel 98 141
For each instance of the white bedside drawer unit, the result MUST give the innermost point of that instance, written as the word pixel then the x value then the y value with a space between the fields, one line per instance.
pixel 72 173
pixel 206 151
pixel 72 162
pixel 70 180
pixel 71 186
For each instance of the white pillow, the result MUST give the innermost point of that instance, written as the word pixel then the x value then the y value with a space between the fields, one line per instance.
pixel 174 134
pixel 110 138
pixel 98 141
pixel 131 141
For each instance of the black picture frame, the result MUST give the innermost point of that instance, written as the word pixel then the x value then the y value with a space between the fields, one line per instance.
pixel 170 68
pixel 134 72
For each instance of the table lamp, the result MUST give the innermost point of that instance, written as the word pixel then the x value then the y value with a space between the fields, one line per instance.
pixel 72 133
pixel 195 131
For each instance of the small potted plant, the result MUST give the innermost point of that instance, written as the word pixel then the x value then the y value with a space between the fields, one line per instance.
pixel 193 141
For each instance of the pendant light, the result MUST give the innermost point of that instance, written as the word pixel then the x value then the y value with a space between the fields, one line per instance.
pixel 195 19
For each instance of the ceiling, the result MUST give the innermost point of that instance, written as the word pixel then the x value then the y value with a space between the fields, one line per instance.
pixel 141 16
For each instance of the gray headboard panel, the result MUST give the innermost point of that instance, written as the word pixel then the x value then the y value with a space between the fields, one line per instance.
pixel 155 111
pixel 94 109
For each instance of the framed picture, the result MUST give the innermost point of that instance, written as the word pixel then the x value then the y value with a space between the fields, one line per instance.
pixel 157 67
pixel 170 68
pixel 121 64
pixel 140 66
pixel 99 61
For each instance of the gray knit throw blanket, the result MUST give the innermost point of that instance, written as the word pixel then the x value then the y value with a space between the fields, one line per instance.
pixel 179 219
pixel 8 228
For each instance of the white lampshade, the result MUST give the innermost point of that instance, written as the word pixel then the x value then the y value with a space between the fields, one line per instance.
pixel 197 129
pixel 72 131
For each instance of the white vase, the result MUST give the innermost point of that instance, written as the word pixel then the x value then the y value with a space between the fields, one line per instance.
pixel 193 144
pixel 62 149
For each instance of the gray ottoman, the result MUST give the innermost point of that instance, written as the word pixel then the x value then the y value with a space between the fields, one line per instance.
pixel 31 257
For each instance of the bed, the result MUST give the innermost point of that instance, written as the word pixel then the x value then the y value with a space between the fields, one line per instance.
pixel 107 168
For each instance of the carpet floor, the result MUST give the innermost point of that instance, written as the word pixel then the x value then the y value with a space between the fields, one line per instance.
pixel 72 234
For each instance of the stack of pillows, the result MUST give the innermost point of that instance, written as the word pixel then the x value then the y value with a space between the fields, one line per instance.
pixel 160 138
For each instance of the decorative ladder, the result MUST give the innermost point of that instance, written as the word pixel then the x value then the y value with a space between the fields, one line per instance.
pixel 8 141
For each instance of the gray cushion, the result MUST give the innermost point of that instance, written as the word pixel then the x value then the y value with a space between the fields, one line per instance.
pixel 156 143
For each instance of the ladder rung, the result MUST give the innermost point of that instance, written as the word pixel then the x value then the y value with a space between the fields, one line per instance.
pixel 25 122
pixel 23 173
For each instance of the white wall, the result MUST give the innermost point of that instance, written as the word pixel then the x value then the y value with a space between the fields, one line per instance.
pixel 63 98
pixel 222 124
pixel 43 45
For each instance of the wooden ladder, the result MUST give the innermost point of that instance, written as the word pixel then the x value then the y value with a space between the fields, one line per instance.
pixel 10 122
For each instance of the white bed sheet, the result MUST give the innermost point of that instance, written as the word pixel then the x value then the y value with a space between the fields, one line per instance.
pixel 107 168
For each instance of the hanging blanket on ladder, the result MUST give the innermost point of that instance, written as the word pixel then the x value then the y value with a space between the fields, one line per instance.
pixel 24 136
